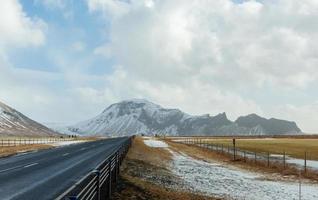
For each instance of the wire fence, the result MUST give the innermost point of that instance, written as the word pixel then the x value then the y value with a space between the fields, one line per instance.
pixel 282 161
pixel 99 183
pixel 11 142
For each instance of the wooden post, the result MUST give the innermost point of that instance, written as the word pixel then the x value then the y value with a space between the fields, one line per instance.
pixel 234 153
pixel 255 156
pixel 244 156
pixel 305 161
pixel 267 159
pixel 284 157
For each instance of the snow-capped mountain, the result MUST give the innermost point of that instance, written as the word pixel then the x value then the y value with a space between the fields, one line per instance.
pixel 14 123
pixel 140 116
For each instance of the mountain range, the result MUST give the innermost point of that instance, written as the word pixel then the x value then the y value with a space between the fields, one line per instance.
pixel 138 116
pixel 14 123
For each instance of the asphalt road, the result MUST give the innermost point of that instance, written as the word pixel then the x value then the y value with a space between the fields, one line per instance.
pixel 48 173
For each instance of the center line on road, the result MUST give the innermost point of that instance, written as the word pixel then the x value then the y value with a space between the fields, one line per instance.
pixel 65 154
pixel 30 165
pixel 12 168
pixel 83 148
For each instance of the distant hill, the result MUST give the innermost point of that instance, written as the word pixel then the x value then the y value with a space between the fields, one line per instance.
pixel 140 116
pixel 14 123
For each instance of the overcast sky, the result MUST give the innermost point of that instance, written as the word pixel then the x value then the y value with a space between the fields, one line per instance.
pixel 67 60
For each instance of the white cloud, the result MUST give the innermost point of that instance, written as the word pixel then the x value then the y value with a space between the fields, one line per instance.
pixel 17 29
pixel 199 55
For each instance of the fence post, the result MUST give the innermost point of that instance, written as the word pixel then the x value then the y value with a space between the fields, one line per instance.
pixel 284 157
pixel 255 156
pixel 234 146
pixel 244 156
pixel 305 161
pixel 267 159
pixel 97 173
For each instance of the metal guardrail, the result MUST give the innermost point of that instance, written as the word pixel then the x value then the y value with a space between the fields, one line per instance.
pixel 99 183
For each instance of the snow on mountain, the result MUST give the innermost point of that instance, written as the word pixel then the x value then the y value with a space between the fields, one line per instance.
pixel 14 123
pixel 138 116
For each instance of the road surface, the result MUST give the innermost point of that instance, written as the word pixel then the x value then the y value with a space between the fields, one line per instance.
pixel 48 173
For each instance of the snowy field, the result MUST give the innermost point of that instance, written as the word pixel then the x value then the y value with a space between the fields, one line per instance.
pixel 218 180
pixel 155 143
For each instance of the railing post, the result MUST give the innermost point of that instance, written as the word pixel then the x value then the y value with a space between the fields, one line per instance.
pixel 97 174
pixel 110 178
pixel 116 167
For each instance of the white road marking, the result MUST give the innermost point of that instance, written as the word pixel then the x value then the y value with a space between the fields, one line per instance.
pixel 30 165
pixel 19 166
pixel 65 154
pixel 83 148
pixel 4 170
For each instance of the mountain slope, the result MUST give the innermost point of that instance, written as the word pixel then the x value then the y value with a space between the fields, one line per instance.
pixel 268 126
pixel 139 116
pixel 14 123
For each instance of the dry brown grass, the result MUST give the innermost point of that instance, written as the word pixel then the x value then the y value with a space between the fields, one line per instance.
pixel 295 147
pixel 8 151
pixel 138 189
pixel 274 171
pixel 154 156
pixel 144 175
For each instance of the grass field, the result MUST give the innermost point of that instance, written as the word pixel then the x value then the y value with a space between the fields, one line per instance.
pixel 294 147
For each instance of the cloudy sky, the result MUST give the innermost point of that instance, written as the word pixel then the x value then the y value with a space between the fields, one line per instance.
pixel 66 60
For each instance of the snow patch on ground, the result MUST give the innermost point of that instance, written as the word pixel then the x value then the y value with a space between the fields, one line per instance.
pixel 218 180
pixel 155 143
pixel 64 143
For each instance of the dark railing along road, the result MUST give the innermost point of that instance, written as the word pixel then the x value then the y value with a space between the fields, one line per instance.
pixel 48 173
